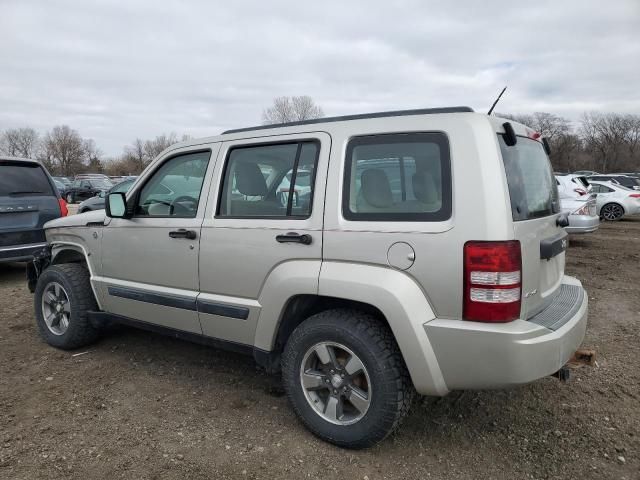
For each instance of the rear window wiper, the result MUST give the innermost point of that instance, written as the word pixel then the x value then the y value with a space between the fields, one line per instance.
pixel 25 192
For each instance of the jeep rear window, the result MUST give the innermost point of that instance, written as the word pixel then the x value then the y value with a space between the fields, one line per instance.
pixel 532 189
pixel 23 179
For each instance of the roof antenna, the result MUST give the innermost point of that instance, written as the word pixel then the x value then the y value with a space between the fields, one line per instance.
pixel 496 102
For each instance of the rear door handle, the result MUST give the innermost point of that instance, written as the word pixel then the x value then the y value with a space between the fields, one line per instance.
pixel 293 237
pixel 183 233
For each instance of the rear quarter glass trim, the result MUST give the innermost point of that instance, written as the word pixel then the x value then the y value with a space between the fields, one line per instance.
pixel 438 138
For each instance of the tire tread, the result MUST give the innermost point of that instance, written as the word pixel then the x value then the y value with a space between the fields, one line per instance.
pixel 379 336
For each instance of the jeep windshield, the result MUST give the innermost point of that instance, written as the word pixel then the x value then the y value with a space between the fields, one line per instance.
pixel 532 187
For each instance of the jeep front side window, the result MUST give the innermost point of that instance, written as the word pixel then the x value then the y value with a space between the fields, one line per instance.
pixel 174 189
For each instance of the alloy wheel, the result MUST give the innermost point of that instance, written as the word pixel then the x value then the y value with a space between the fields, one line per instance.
pixel 612 211
pixel 56 308
pixel 335 383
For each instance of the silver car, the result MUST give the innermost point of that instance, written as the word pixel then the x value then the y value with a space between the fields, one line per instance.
pixel 428 256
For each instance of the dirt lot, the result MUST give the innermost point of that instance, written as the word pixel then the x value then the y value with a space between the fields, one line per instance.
pixel 138 405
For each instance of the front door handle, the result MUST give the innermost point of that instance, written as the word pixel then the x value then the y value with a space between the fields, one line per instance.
pixel 183 233
pixel 293 237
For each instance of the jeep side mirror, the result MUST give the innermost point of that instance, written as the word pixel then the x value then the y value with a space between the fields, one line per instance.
pixel 116 205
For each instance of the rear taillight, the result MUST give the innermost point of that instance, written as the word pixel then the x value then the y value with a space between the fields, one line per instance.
pixel 584 210
pixel 635 195
pixel 492 281
pixel 64 211
pixel 580 191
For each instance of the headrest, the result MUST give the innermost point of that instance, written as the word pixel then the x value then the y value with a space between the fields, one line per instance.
pixel 424 187
pixel 249 179
pixel 376 190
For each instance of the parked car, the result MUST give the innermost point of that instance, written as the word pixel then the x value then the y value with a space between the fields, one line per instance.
pixel 582 214
pixel 396 277
pixel 578 203
pixel 87 187
pixel 64 180
pixel 631 174
pixel 615 201
pixel 573 186
pixel 623 180
pixel 97 202
pixel 28 199
pixel 61 187
pixel 585 173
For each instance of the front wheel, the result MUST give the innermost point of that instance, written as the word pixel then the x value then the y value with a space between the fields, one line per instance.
pixel 62 299
pixel 612 212
pixel 346 379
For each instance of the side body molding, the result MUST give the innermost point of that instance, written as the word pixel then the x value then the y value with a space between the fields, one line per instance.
pixel 403 304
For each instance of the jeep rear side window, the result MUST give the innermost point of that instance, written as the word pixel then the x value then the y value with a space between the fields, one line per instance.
pixel 397 177
pixel 532 190
pixel 174 189
pixel 269 181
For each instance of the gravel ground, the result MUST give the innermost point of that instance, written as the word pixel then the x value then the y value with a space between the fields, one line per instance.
pixel 138 405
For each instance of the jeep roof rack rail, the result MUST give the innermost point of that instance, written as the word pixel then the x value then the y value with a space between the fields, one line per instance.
pixel 361 116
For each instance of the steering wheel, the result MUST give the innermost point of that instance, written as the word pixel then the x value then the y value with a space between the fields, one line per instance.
pixel 177 203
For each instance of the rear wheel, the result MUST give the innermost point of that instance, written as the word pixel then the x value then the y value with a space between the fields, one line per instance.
pixel 63 298
pixel 346 379
pixel 612 212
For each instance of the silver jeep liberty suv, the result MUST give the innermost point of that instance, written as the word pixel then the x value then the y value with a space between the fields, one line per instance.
pixel 364 257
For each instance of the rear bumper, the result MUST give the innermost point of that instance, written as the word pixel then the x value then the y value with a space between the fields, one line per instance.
pixel 582 224
pixel 19 253
pixel 475 355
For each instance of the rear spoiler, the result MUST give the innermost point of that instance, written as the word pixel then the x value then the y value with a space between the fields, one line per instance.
pixel 510 138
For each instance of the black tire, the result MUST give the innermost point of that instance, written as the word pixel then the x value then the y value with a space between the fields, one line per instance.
pixel 372 341
pixel 74 278
pixel 612 212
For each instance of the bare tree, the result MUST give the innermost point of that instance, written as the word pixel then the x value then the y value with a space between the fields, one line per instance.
pixel 136 156
pixel 604 134
pixel 291 109
pixel 19 142
pixel 155 147
pixel 64 149
pixel 565 145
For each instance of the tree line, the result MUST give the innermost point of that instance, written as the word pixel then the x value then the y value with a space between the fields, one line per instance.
pixel 65 152
pixel 603 142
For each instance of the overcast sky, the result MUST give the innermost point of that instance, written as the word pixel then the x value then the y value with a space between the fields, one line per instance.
pixel 117 70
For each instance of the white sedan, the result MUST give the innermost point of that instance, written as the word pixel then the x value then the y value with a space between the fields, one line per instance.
pixel 615 201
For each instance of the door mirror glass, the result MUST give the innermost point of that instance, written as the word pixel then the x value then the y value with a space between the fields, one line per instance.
pixel 116 205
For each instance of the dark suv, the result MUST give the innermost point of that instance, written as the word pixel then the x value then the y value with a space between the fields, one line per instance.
pixel 83 188
pixel 28 199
